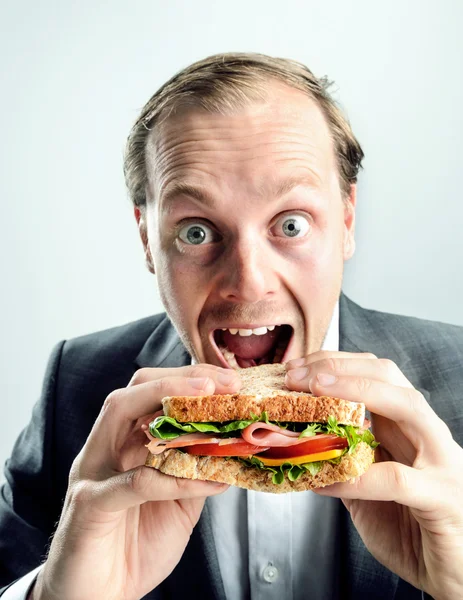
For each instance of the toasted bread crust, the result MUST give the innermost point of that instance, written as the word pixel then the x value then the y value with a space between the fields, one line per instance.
pixel 285 406
pixel 233 472
pixel 263 389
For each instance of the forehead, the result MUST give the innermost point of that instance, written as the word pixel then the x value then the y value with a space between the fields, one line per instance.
pixel 284 135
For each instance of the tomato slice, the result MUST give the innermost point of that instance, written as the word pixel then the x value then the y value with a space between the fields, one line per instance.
pixel 315 444
pixel 236 449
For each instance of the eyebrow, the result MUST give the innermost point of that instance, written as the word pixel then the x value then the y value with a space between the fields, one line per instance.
pixel 173 191
pixel 202 195
pixel 286 185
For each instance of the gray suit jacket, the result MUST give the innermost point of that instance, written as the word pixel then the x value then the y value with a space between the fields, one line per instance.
pixel 83 371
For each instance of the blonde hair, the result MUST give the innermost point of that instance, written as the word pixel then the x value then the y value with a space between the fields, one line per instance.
pixel 223 83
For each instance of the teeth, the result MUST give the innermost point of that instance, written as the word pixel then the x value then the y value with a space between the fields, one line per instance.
pixel 248 332
pixel 230 358
pixel 260 330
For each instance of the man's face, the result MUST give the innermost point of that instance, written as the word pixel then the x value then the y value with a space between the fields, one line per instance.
pixel 247 229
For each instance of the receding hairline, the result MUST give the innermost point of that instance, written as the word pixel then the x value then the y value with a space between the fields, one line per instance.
pixel 222 84
pixel 272 90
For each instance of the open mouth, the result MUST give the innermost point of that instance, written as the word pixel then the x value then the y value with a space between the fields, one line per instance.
pixel 242 348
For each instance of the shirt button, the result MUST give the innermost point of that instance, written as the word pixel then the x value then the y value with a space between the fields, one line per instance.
pixel 270 573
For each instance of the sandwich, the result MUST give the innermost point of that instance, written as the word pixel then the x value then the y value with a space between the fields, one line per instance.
pixel 264 438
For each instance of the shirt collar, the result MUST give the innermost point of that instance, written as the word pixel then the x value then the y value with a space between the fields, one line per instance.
pixel 331 341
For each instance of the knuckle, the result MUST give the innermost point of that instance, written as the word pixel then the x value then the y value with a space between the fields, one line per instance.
pixel 399 478
pixel 112 401
pixel 199 371
pixel 75 472
pixel 140 376
pixel 416 401
pixel 388 366
pixel 81 493
pixel 363 385
pixel 182 484
pixel 140 480
pixel 162 387
pixel 370 355
pixel 332 365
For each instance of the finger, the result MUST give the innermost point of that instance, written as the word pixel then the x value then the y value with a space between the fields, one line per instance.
pixel 405 406
pixel 123 408
pixel 324 354
pixel 140 485
pixel 227 380
pixel 389 482
pixel 380 369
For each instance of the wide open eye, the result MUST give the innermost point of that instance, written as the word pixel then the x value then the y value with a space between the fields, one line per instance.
pixel 197 234
pixel 291 226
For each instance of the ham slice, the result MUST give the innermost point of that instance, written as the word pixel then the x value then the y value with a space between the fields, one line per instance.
pixel 157 446
pixel 261 434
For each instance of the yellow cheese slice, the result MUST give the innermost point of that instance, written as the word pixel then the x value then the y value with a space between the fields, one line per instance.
pixel 299 460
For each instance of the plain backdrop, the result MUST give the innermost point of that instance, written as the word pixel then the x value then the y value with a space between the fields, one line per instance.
pixel 74 76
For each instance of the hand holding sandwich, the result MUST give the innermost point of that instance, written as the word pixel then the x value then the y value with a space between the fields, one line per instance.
pixel 125 526
pixel 408 506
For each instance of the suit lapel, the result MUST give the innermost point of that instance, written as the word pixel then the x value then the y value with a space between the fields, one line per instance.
pixel 197 575
pixel 163 348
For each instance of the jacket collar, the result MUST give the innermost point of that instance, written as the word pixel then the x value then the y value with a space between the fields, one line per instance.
pixel 362 330
pixel 163 348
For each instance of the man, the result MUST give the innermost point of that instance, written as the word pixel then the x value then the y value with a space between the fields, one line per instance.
pixel 243 174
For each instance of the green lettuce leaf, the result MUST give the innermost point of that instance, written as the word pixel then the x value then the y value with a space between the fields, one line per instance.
pixel 314 467
pixel 311 430
pixel 292 472
pixel 295 472
pixel 167 428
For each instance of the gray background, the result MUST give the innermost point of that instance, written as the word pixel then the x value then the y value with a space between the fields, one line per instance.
pixel 74 76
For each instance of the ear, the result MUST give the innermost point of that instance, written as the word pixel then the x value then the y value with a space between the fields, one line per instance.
pixel 349 222
pixel 140 217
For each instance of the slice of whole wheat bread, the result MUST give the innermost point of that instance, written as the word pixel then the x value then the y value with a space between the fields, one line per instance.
pixel 234 472
pixel 263 389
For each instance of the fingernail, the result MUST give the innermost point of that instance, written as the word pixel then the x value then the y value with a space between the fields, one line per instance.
pixel 199 383
pixel 298 374
pixel 297 362
pixel 226 378
pixel 326 379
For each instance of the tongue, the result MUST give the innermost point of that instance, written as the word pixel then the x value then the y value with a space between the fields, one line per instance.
pixel 253 346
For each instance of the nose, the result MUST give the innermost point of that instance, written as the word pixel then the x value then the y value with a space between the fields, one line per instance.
pixel 248 273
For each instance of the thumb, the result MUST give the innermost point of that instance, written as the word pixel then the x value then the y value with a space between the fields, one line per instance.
pixel 145 484
pixel 387 481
